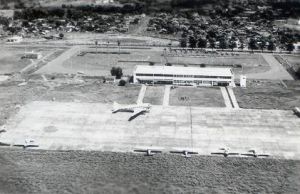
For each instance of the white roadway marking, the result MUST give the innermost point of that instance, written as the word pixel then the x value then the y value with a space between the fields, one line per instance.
pixel 167 95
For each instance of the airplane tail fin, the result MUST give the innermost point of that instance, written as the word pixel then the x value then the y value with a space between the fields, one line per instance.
pixel 116 107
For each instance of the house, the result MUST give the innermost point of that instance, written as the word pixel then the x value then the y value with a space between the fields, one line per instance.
pixel 14 39
pixel 31 55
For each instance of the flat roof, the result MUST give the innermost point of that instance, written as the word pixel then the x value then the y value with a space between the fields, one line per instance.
pixel 147 69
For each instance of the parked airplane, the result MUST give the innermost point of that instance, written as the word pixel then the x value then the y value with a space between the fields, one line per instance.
pixel 184 153
pixel 136 109
pixel 29 143
pixel 225 152
pixel 149 152
pixel 254 154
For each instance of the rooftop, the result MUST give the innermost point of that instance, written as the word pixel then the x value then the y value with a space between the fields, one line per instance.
pixel 183 70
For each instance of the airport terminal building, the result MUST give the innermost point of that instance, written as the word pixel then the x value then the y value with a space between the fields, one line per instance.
pixel 189 76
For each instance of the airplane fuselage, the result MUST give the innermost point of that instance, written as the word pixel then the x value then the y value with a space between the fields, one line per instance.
pixel 131 108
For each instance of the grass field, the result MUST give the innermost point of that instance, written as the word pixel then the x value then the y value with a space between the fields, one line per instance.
pixel 154 95
pixel 252 63
pixel 10 60
pixel 104 172
pixel 10 57
pixel 293 60
pixel 203 97
pixel 99 61
pixel 93 92
pixel 13 96
pixel 268 95
pixel 100 64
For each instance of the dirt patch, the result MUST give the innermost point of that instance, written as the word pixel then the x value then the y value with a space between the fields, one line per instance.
pixel 104 172
pixel 202 97
pixel 154 95
pixel 269 95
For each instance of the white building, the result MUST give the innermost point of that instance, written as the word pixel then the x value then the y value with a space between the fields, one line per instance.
pixel 31 55
pixel 193 76
pixel 297 47
pixel 14 39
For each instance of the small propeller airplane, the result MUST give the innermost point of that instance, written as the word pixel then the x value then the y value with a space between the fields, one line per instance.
pixel 148 152
pixel 136 109
pixel 184 153
pixel 29 143
pixel 252 153
pixel 225 152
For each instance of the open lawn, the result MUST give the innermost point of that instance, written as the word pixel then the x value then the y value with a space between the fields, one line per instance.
pixel 10 57
pixel 202 97
pixel 10 60
pixel 100 61
pixel 93 92
pixel 105 172
pixel 252 63
pixel 293 60
pixel 12 96
pixel 268 95
pixel 154 95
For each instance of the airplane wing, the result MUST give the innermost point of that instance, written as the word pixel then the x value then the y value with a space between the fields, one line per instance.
pixel 137 112
pixel 19 145
pixel 156 151
pixel 140 150
pixel 193 152
pixel 176 152
pixel 233 154
pixel 4 144
pixel 218 153
pixel 247 154
pixel 263 155
pixel 32 146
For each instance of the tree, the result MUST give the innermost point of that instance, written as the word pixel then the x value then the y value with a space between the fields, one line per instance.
pixel 232 44
pixel 271 46
pixel 242 45
pixel 122 82
pixel 116 71
pixel 183 43
pixel 61 35
pixel 262 45
pixel 290 47
pixel 223 44
pixel 252 44
pixel 192 41
pixel 202 43
pixel 212 43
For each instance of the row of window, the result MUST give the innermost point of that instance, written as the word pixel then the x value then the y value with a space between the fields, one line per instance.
pixel 186 76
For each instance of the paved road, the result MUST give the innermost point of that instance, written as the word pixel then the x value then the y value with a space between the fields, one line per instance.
pixel 277 72
pixel 226 97
pixel 55 65
pixel 141 94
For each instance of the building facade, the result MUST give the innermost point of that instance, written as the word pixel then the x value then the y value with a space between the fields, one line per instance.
pixel 189 76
